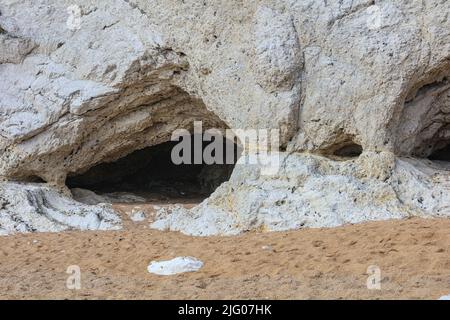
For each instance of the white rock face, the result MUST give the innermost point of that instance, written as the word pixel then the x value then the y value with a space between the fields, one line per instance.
pixel 333 76
pixel 175 266
pixel 447 297
pixel 312 191
pixel 36 208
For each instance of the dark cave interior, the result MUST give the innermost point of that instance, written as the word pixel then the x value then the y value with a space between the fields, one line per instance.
pixel 152 171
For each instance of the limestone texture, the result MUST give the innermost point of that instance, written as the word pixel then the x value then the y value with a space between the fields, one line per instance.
pixel 358 89
pixel 34 208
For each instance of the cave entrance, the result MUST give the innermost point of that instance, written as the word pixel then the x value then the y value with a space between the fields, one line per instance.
pixel 435 148
pixel 150 174
pixel 424 128
pixel 351 150
pixel 442 154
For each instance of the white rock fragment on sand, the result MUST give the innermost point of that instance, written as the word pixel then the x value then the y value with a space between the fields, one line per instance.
pixel 175 266
pixel 447 297
pixel 137 215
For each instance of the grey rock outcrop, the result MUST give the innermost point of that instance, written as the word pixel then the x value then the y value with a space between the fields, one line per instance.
pixel 359 90
pixel 311 192
pixel 34 208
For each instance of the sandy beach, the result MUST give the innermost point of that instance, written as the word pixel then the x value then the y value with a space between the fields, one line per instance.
pixel 413 257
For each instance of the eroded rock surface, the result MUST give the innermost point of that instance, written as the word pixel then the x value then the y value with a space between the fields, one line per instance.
pixel 36 208
pixel 358 89
pixel 312 191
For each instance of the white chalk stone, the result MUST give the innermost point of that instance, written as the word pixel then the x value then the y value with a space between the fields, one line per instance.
pixel 137 215
pixel 447 297
pixel 175 266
